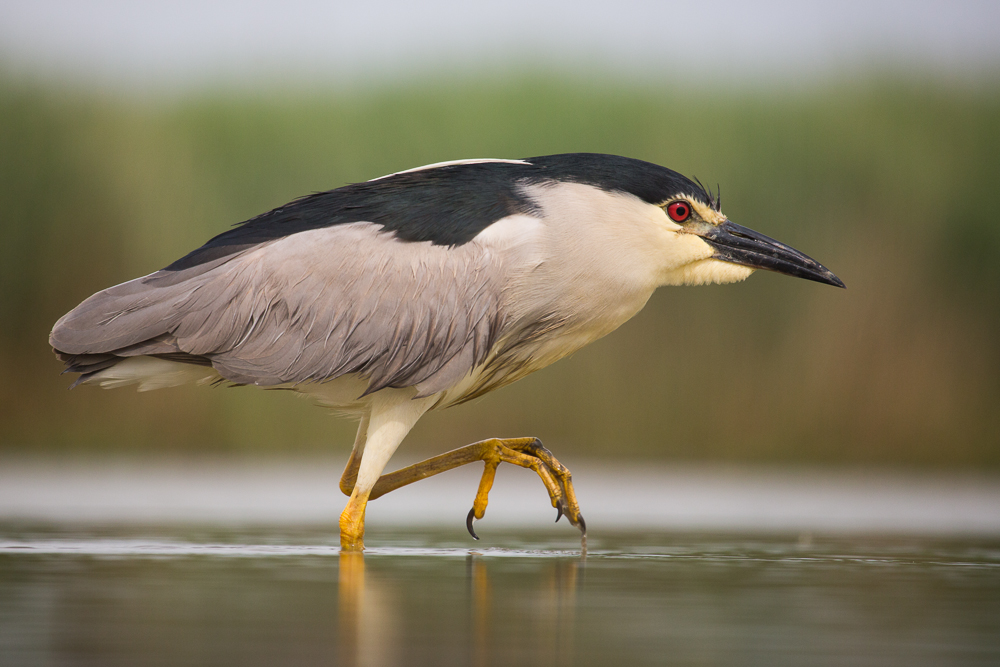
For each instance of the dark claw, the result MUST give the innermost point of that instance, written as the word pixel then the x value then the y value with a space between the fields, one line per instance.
pixel 582 525
pixel 559 513
pixel 468 523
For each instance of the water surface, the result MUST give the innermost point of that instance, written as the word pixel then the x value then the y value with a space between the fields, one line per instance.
pixel 203 596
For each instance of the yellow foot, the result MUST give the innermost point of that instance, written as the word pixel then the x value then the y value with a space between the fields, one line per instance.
pixel 524 452
pixel 527 453
pixel 352 525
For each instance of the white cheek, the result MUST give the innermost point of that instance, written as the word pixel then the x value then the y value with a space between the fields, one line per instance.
pixel 677 251
pixel 708 272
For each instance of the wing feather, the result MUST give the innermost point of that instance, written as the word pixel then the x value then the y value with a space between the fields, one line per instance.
pixel 309 307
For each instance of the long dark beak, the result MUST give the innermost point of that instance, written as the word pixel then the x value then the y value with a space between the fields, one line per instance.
pixel 740 245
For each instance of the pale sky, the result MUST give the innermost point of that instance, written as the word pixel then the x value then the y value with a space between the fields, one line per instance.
pixel 159 43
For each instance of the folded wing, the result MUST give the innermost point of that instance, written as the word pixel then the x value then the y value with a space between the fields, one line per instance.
pixel 309 307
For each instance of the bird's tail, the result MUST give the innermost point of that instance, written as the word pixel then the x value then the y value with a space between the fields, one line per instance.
pixel 129 322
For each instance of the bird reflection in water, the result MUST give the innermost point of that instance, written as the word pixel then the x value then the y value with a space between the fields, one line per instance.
pixel 367 616
pixel 549 611
pixel 540 619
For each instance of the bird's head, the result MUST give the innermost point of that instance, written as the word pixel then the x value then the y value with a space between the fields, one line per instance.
pixel 709 248
pixel 695 242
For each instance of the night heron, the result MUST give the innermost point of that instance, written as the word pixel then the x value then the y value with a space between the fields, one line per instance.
pixel 421 290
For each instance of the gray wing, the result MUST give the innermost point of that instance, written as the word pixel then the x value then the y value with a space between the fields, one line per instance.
pixel 309 307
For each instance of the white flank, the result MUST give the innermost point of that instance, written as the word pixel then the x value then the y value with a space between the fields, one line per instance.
pixel 510 231
pixel 151 373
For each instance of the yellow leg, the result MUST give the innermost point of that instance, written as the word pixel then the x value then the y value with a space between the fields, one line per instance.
pixel 350 476
pixel 524 452
pixel 390 416
pixel 352 523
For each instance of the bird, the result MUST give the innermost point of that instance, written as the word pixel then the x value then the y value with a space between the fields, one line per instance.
pixel 420 290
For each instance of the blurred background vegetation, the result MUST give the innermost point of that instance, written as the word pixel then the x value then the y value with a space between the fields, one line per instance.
pixel 890 181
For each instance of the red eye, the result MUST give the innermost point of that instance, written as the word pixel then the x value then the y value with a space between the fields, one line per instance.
pixel 679 211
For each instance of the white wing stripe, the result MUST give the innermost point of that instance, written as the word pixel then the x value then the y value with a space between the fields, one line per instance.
pixel 449 164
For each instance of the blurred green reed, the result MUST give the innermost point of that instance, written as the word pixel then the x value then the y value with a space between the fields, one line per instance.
pixel 891 183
